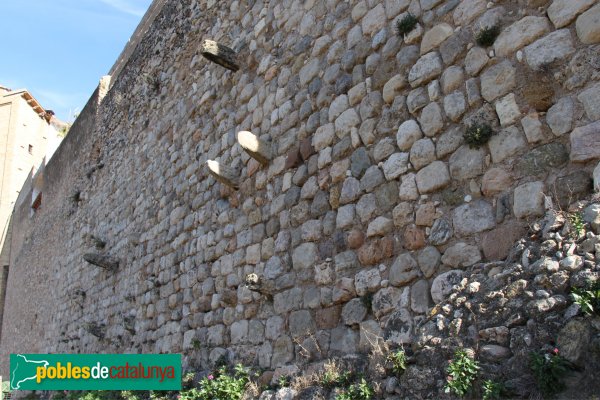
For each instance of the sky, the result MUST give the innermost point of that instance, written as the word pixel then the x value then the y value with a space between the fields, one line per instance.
pixel 59 49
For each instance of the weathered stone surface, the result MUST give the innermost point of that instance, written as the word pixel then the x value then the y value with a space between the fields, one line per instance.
pixel 573 340
pixel 383 149
pixel 435 36
pixel 506 143
pixel 572 187
pixel 588 28
pixel 498 80
pixel 395 165
pixel 467 163
pixel 422 153
pixel 431 119
pixel 354 312
pixel 495 181
pixel 596 176
pixel 389 299
pixel 560 116
pixel 556 46
pixel 590 98
pixel 413 238
pixel 408 133
pixel 497 243
pixel 476 59
pixel 403 270
pixel 461 255
pixel 452 79
pixel 420 297
pixel 474 217
pixel 374 20
pixel 563 12
pixel 345 216
pixel 508 110
pixel 443 283
pixel 380 226
pixel 449 141
pixel 350 190
pixel 455 105
pixel 533 128
pixel 425 69
pixel 367 281
pixel 520 34
pixel 494 352
pixel 542 159
pixel 398 328
pixel 529 200
pixel 425 214
pixel 416 100
pixel 433 177
pixel 301 323
pixel 408 187
pixel 429 260
pixel 468 10
pixel 393 88
pixel 585 142
pixel 441 232
pixel 305 256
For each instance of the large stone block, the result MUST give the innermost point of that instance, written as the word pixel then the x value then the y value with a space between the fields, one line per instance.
pixel 433 177
pixel 588 25
pixel 556 46
pixel 474 217
pixel 507 143
pixel 520 34
pixel 529 200
pixel 585 142
pixel 498 80
pixel 563 12
pixel 425 69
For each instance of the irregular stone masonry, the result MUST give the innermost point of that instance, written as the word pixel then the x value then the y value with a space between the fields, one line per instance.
pixel 366 198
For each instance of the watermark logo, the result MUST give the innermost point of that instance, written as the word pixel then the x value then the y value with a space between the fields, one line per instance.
pixel 95 371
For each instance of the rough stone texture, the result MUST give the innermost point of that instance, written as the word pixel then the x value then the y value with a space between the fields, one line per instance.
pixel 433 177
pixel 556 46
pixel 520 34
pixel 497 243
pixel 474 217
pixel 305 242
pixel 563 12
pixel 498 80
pixel 508 110
pixel 560 116
pixel 467 163
pixel 506 143
pixel 587 25
pixel 434 37
pixel 584 143
pixel 443 283
pixel 431 119
pixel 529 200
pixel 461 255
pixel 408 133
pixel 590 98
pixel 425 69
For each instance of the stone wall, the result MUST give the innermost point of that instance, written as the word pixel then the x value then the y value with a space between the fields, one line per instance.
pixel 371 196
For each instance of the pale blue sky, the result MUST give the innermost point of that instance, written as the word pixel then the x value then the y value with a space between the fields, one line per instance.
pixel 59 49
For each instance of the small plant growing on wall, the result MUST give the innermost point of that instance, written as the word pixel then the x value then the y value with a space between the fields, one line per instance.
pixel 477 135
pixel 406 24
pixel 487 36
pixel 588 297
pixel 462 371
pixel 549 369
pixel 398 361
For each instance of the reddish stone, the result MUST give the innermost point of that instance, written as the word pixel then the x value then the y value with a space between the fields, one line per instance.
pixel 323 179
pixel 306 148
pixel 495 180
pixel 376 251
pixel 328 318
pixel 253 166
pixel 414 238
pixel 497 243
pixel 425 214
pixel 355 239
pixel 271 73
pixel 293 158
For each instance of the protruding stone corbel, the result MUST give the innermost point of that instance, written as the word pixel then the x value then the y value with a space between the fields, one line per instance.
pixel 102 261
pixel 255 147
pixel 224 174
pixel 258 284
pixel 219 54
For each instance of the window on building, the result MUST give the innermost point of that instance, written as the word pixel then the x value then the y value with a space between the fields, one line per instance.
pixel 37 202
pixel 30 149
